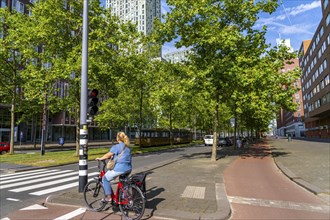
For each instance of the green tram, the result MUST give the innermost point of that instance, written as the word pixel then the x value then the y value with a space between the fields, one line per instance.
pixel 157 137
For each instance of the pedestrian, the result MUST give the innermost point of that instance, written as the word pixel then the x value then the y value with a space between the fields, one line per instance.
pixel 238 142
pixel 123 164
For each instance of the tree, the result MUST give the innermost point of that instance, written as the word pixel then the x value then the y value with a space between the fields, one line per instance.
pixel 224 41
pixel 11 64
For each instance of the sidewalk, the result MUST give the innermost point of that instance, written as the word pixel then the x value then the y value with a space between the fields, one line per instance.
pixel 305 162
pixel 192 187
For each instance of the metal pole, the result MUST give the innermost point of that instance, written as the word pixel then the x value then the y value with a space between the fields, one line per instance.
pixel 83 134
pixel 44 124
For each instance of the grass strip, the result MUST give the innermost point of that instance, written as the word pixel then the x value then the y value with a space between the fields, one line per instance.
pixel 69 156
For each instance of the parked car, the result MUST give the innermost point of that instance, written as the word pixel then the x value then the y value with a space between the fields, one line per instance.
pixel 4 147
pixel 208 140
pixel 222 141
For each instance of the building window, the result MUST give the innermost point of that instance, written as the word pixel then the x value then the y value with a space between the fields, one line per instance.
pixel 325 64
pixel 325 4
pixel 322 84
pixel 326 80
pixel 327 20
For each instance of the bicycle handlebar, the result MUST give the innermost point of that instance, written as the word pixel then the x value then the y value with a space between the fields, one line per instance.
pixel 100 163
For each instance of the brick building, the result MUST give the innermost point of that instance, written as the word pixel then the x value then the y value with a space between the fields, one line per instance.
pixel 314 61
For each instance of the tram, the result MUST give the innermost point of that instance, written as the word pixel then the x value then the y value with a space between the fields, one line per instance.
pixel 158 137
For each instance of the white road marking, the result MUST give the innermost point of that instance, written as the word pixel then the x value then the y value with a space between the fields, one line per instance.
pixel 62 187
pixel 280 204
pixel 71 214
pixel 5 218
pixel 27 173
pixel 43 184
pixel 50 190
pixel 47 173
pixel 35 181
pixel 15 200
pixel 194 192
pixel 34 207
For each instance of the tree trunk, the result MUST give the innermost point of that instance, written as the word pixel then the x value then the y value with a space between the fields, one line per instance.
pixel 215 136
pixel 12 126
pixel 235 128
pixel 44 124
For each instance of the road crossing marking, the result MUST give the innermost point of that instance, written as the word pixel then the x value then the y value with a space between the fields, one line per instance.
pixel 280 204
pixel 71 214
pixel 58 188
pixel 20 184
pixel 49 173
pixel 27 173
pixel 43 184
pixel 34 181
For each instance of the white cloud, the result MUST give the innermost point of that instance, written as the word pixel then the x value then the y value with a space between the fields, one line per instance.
pixel 295 29
pixel 303 8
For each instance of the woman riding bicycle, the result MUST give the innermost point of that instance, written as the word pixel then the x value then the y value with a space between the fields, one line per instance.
pixel 123 164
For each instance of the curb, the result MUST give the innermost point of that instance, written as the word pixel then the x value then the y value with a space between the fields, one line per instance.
pixel 299 181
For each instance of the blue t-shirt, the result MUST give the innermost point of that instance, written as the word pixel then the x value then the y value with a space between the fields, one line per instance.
pixel 124 163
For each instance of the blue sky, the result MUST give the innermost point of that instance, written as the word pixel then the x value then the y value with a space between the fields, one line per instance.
pixel 296 20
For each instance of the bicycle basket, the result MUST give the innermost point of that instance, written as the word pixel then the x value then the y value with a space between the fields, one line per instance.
pixel 139 180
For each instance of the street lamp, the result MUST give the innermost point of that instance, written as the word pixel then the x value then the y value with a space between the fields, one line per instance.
pixel 83 133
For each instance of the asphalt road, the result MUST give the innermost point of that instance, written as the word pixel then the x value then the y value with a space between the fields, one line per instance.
pixel 15 193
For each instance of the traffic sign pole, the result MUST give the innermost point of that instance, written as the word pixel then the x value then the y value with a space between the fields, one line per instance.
pixel 83 134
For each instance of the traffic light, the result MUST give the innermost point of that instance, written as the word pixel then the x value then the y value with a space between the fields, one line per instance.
pixel 92 102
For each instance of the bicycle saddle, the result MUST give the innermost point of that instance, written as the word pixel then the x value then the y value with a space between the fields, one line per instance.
pixel 124 175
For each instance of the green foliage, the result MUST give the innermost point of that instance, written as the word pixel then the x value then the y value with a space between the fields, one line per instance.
pixel 231 71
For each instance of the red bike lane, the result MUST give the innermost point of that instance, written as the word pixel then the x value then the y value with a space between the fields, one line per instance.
pixel 257 189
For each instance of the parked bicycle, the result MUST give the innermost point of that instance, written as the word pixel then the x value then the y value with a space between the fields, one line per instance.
pixel 128 195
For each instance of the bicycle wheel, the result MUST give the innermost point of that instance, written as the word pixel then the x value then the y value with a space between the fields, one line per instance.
pixel 93 194
pixel 132 203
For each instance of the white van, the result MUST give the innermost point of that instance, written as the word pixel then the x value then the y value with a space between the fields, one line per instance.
pixel 208 140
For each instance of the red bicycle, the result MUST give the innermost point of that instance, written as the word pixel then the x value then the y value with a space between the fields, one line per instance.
pixel 128 195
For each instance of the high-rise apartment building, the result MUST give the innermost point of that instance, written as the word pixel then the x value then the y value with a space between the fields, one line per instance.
pixel 315 64
pixel 291 123
pixel 143 12
pixel 177 56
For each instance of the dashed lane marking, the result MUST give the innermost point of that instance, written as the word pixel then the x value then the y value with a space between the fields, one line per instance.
pixel 280 204
pixel 15 200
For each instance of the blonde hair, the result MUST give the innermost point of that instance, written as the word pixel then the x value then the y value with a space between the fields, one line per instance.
pixel 121 136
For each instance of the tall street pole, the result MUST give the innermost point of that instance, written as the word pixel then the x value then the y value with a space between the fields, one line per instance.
pixel 83 134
